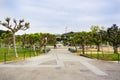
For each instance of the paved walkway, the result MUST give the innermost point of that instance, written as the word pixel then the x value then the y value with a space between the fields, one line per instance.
pixel 60 64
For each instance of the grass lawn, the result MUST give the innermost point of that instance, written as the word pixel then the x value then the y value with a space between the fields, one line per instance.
pixel 22 53
pixel 107 57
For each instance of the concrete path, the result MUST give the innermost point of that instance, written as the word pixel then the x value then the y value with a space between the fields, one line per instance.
pixel 60 64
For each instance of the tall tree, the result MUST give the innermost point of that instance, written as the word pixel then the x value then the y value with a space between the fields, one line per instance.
pixel 83 39
pixel 18 26
pixel 113 34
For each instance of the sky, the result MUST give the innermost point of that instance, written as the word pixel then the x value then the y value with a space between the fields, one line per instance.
pixel 60 16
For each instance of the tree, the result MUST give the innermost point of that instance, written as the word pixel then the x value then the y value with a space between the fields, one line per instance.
pixel 7 39
pixel 18 26
pixel 67 37
pixel 42 40
pixel 51 39
pixel 113 34
pixel 1 40
pixel 2 31
pixel 83 38
pixel 32 39
pixel 24 39
pixel 97 35
pixel 73 40
pixel 39 40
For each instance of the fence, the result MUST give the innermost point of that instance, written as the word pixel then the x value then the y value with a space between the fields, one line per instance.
pixel 105 53
pixel 22 53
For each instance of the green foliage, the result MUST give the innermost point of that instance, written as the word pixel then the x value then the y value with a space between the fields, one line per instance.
pixel 108 57
pixel 2 31
pixel 23 53
pixel 7 37
pixel 113 36
pixel 67 38
pixel 98 35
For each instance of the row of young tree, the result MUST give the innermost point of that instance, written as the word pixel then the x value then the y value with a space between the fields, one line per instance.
pixel 31 41
pixel 9 37
pixel 97 36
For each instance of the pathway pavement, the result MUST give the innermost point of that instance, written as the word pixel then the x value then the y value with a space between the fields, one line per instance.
pixel 60 64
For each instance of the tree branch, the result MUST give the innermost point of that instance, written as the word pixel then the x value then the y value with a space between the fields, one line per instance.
pixel 15 21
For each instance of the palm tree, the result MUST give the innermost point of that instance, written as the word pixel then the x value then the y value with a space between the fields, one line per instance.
pixel 14 29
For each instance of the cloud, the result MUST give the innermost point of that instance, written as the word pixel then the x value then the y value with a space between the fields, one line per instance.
pixel 54 15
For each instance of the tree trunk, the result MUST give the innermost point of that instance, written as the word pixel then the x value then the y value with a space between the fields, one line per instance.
pixel 34 49
pixel 98 48
pixel 115 48
pixel 40 47
pixel 14 45
pixel 83 48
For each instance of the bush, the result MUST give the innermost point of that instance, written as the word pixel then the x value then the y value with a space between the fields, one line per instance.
pixel 72 50
pixel 46 50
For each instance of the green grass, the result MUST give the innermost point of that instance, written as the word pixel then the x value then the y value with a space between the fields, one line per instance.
pixel 22 53
pixel 107 57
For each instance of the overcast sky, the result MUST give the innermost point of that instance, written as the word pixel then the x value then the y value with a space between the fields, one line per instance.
pixel 54 15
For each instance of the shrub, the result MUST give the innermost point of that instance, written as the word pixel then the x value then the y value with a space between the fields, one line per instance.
pixel 72 50
pixel 46 50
